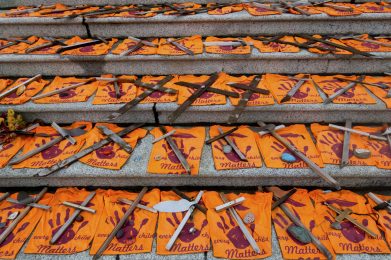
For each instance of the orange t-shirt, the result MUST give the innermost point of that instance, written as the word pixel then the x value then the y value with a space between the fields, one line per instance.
pixel 225 9
pixel 31 90
pixel 110 156
pixel 105 93
pixel 382 216
pixel 244 139
pixel 227 239
pixel 280 85
pixel 379 92
pixel 79 94
pixel 15 240
pixel 256 99
pixel 55 153
pixel 20 47
pixel 78 236
pixel 138 230
pixel 337 12
pixel 246 49
pixel 193 43
pixel 367 46
pixel 355 95
pixel 350 239
pixel 8 151
pixel 300 204
pixel 187 242
pixel 158 96
pixel 190 142
pixel 207 98
pixel 298 136
pixel 95 49
pixel 259 11
pixel 143 50
pixel 275 46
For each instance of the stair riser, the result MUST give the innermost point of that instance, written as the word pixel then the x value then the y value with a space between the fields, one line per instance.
pixel 232 24
pixel 304 62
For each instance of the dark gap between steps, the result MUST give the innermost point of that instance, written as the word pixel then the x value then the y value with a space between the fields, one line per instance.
pixel 87 27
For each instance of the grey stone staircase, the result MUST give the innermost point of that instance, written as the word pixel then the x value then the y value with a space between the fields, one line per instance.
pixel 237 24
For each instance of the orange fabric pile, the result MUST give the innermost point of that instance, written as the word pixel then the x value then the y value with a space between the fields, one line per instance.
pixel 190 142
pixel 350 239
pixel 244 139
pixel 227 239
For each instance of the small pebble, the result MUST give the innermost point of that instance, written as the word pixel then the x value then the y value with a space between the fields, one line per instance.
pixel 336 225
pixel 79 218
pixel 227 149
pixel 158 158
pixel 288 158
pixel 249 218
pixel 192 230
pixel 300 234
pixel 362 153
pixel 2 225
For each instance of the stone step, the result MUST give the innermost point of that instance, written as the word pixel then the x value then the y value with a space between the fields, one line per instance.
pixel 133 173
pixel 13 3
pixel 254 63
pixel 286 113
pixel 234 24
pixel 206 256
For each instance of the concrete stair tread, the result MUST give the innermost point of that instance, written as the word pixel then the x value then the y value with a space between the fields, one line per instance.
pixel 133 173
pixel 238 23
pixel 256 62
pixel 283 113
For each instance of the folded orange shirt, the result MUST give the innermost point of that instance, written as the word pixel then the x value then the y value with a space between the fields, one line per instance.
pixel 291 248
pixel 15 240
pixel 338 12
pixel 244 139
pixel 382 217
pixel 143 50
pixel 110 156
pixel 207 98
pixel 136 13
pixel 225 9
pixel 193 43
pixel 363 45
pixel 78 237
pixel 355 95
pixel 371 7
pixel 380 150
pixel 187 242
pixel 350 239
pixel 276 47
pixel 330 145
pixel 5 83
pixel 64 11
pixel 323 48
pixel 260 11
pixel 18 48
pixel 379 92
pixel 227 239
pixel 79 94
pixel 246 49
pixel 158 96
pixel 45 50
pixel 272 150
pixel 187 6
pixel 255 99
pixel 280 85
pixel 55 153
pixel 190 142
pixel 96 49
pixel 8 151
pixel 106 91
pixel 309 9
pixel 138 230
pixel 31 90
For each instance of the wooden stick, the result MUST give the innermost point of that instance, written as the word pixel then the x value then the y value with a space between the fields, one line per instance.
pixel 354 131
pixel 76 206
pixel 7 92
pixel 4 196
pixel 119 225
pixel 229 204
pixel 140 206
pixel 58 91
pixel 20 217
